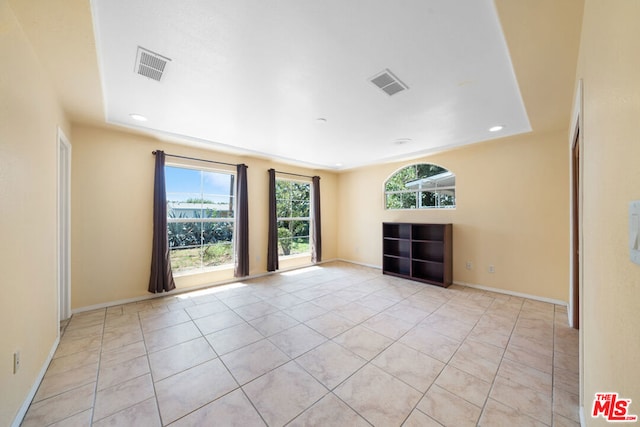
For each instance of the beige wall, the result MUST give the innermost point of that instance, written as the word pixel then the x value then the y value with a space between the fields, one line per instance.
pixel 512 212
pixel 609 65
pixel 29 118
pixel 512 209
pixel 112 198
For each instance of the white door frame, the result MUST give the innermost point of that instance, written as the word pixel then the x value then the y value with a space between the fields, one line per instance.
pixel 575 137
pixel 64 225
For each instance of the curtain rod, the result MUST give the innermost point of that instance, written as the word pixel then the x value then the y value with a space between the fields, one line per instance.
pixel 196 159
pixel 294 174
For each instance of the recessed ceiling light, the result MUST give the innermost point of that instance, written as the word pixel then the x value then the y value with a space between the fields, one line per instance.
pixel 338 165
pixel 138 117
pixel 496 128
pixel 321 120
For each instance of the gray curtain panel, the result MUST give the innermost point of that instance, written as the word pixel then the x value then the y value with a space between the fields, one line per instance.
pixel 161 279
pixel 272 243
pixel 316 236
pixel 242 224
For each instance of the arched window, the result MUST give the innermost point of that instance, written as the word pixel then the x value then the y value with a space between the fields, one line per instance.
pixel 421 186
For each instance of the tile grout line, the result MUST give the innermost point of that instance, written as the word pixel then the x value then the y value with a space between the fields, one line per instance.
pixel 147 354
pixel 513 328
pixel 370 362
pixel 552 365
pixel 240 386
pixel 447 365
pixel 192 321
pixel 367 362
pixel 95 389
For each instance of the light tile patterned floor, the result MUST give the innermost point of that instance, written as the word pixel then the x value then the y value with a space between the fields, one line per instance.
pixel 331 345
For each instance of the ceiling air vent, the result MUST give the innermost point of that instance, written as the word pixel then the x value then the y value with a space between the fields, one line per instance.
pixel 388 82
pixel 150 64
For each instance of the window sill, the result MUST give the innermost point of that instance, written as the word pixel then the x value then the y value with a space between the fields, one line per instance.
pixel 203 270
pixel 294 256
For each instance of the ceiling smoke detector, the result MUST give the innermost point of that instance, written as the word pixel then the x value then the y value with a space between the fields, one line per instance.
pixel 150 64
pixel 388 82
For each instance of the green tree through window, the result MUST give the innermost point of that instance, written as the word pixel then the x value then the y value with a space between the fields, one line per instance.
pixel 293 199
pixel 200 217
pixel 421 186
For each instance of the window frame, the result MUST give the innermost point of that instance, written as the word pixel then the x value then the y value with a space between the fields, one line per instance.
pixel 436 191
pixel 204 220
pixel 308 219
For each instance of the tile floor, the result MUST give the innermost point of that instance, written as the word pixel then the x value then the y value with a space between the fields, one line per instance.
pixel 331 345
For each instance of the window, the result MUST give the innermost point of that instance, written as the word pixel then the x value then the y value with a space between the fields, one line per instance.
pixel 200 217
pixel 421 186
pixel 292 208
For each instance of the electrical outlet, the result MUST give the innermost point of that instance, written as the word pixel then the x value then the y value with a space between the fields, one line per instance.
pixel 16 362
pixel 469 265
pixel 492 269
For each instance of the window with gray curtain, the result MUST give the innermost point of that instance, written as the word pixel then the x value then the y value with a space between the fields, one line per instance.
pixel 316 235
pixel 272 242
pixel 201 216
pixel 242 224
pixel 294 219
pixel 293 201
pixel 161 278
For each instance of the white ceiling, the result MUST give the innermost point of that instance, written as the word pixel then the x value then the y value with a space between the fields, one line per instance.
pixel 253 76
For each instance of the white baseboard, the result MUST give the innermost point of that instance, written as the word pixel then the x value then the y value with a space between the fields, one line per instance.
pixel 34 388
pixel 482 287
pixel 377 267
pixel 255 276
pixel 174 292
pixel 192 288
pixel 512 293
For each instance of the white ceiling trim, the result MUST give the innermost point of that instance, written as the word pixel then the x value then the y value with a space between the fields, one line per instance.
pixel 252 77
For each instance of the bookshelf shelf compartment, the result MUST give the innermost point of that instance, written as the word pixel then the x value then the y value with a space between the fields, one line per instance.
pixel 421 252
pixel 428 251
pixel 396 265
pixel 396 230
pixel 397 247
